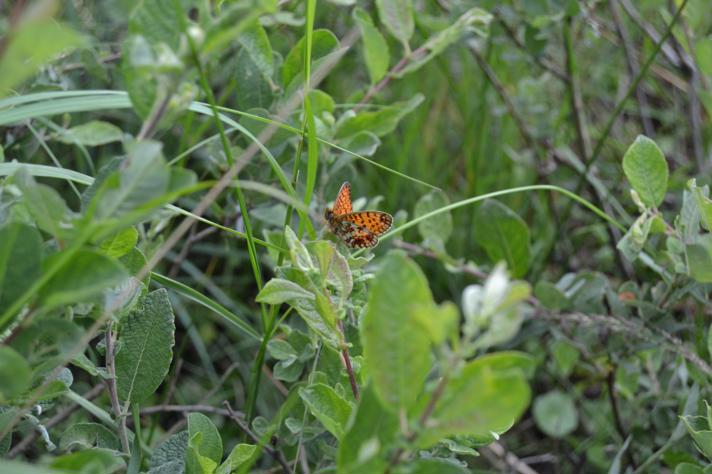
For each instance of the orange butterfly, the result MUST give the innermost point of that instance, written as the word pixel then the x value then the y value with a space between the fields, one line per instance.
pixel 357 229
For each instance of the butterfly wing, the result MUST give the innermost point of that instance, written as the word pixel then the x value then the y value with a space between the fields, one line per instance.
pixel 342 203
pixel 376 222
pixel 353 235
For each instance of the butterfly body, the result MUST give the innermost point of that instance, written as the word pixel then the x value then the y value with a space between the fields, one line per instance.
pixel 357 229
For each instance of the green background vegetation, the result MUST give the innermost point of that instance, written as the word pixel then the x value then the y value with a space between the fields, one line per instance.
pixel 170 300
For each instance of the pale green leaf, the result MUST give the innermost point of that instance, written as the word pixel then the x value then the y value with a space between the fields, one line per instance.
pixel 481 398
pixel 555 413
pixel 397 17
pixel 327 406
pixel 379 122
pixel 120 243
pixel 647 171
pixel 439 227
pixel 93 133
pixel 279 290
pixel 375 48
pixel 699 258
pixel 396 351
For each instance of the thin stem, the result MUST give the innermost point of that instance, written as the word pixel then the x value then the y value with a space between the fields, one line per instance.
pixel 113 394
pixel 619 107
pixel 271 450
pixel 347 363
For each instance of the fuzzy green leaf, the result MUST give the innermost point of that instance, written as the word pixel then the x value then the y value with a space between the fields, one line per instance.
pixel 146 341
pixel 647 171
pixel 504 236
pixel 375 48
pixel 327 406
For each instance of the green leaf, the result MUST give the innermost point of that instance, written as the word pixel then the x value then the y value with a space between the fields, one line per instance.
pixel 239 454
pixel 20 261
pixel 555 414
pixel 88 435
pixel 89 461
pixel 438 228
pixel 379 122
pixel 375 48
pixel 158 21
pixel 699 429
pixel 435 466
pixel 93 133
pixel 688 468
pixel 504 236
pixel 281 350
pixel 45 204
pixel 279 290
pixel 699 258
pixel 142 176
pixel 146 341
pixel 565 357
pixel 368 437
pixel 327 406
pixel 205 446
pixel 475 18
pixel 256 44
pixel 397 17
pixel 120 243
pixel 15 374
pixel 171 451
pixel 85 278
pixel 647 171
pixel 139 73
pixel 550 296
pixel 483 397
pixel 253 87
pixel 35 42
pixel 323 43
pixel 396 351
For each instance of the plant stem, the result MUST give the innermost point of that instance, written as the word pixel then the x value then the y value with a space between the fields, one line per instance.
pixel 113 394
pixel 347 363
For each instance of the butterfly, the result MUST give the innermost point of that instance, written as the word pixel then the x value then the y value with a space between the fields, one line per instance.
pixel 357 229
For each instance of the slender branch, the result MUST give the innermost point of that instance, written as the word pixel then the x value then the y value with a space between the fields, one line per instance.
pixel 668 51
pixel 542 62
pixel 619 107
pixel 633 67
pixel 113 394
pixel 185 409
pixel 271 450
pixel 510 459
pixel 347 363
pixel 373 90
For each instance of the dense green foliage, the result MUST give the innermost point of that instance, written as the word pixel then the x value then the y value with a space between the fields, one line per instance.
pixel 172 301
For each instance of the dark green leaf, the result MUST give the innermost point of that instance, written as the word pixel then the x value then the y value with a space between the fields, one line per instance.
pixel 88 435
pixel 323 43
pixel 87 275
pixel 146 341
pixel 504 236
pixel 15 374
pixel 20 261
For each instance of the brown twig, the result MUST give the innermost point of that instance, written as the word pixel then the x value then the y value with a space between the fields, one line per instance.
pixel 633 68
pixel 373 90
pixel 510 459
pixel 543 62
pixel 271 450
pixel 113 393
pixel 347 363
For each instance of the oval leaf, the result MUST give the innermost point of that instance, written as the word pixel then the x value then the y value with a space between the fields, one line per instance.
pixel 146 341
pixel 647 171
pixel 504 236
